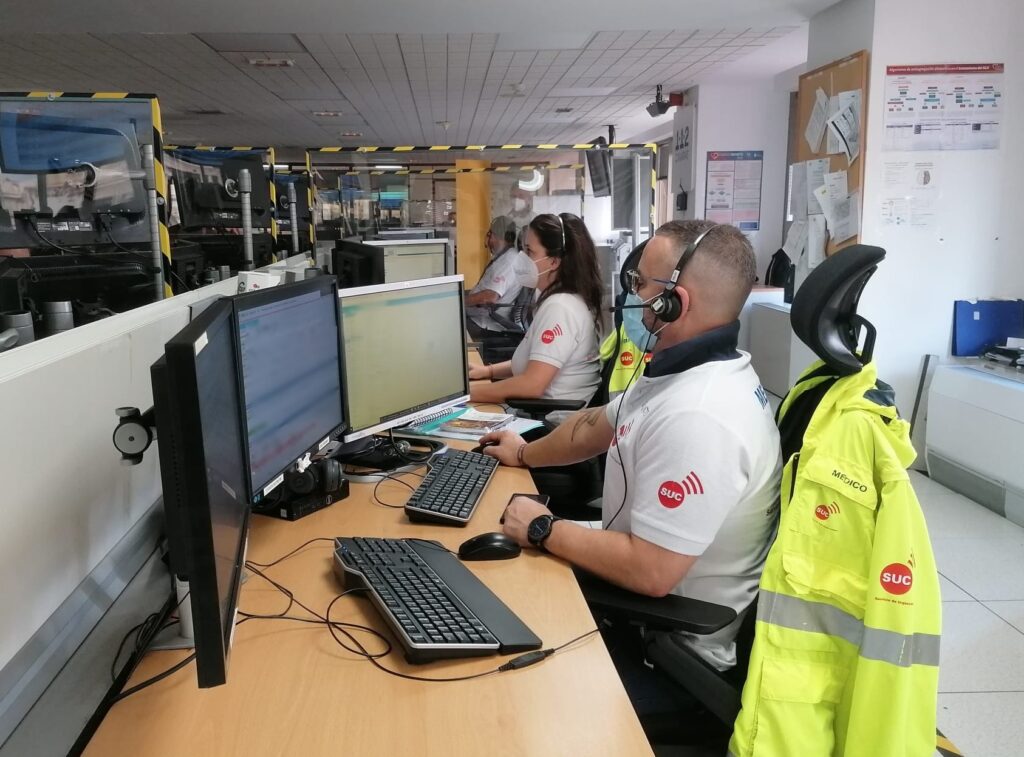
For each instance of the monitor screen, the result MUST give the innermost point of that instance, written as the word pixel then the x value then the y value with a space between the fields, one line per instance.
pixel 405 354
pixel 290 361
pixel 199 417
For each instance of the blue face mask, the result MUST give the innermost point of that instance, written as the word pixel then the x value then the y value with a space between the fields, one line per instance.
pixel 633 320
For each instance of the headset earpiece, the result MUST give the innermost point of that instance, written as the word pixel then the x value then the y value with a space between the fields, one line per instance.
pixel 668 306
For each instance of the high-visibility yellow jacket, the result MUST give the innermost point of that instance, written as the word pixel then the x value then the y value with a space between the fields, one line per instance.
pixel 846 647
pixel 628 366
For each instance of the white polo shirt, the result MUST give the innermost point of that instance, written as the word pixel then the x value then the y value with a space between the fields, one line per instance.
pixel 563 334
pixel 499 278
pixel 696 462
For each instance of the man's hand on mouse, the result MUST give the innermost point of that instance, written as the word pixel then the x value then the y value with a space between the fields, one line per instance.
pixel 505 447
pixel 518 515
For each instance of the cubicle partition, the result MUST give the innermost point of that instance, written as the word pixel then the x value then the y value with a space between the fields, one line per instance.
pixel 78 524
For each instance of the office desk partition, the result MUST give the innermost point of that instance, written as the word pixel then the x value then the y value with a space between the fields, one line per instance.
pixel 293 691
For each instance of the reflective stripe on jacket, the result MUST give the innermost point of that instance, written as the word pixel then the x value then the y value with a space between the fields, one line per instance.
pixel 846 647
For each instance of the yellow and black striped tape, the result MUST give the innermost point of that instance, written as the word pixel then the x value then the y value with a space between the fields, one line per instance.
pixel 440 148
pixel 526 168
pixel 161 190
pixel 81 95
pixel 221 148
pixel 309 196
pixel 945 747
pixel 273 202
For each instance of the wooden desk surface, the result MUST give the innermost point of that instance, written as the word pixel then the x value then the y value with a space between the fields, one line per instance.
pixel 293 691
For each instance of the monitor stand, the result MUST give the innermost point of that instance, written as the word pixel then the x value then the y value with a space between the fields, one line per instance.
pixel 378 456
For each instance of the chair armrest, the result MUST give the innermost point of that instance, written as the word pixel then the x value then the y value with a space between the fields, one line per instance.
pixel 541 407
pixel 669 613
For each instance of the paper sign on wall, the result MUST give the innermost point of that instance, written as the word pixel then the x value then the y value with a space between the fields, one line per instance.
pixel 816 124
pixel 943 107
pixel 910 192
pixel 733 191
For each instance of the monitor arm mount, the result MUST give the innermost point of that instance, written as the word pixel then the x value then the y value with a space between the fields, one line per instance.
pixel 134 433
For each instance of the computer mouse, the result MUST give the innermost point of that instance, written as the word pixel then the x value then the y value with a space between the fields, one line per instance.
pixel 480 447
pixel 492 546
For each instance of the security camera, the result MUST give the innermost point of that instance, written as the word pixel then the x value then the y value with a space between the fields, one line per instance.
pixel 659 107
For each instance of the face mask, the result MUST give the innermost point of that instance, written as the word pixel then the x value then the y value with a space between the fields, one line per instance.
pixel 526 272
pixel 633 320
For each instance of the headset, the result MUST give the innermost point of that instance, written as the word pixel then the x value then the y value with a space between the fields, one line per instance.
pixel 667 306
pixel 321 477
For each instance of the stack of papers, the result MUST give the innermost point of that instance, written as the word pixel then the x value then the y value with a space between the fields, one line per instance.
pixel 468 424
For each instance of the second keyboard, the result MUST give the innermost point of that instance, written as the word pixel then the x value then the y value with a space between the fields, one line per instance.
pixel 450 492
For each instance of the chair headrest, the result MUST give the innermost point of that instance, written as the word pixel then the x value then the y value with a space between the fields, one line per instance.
pixel 824 313
pixel 632 261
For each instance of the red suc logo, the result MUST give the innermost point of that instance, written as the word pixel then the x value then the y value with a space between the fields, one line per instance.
pixel 897 578
pixel 824 512
pixel 626 358
pixel 672 494
pixel 549 335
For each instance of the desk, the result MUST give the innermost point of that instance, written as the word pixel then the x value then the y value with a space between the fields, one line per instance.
pixel 292 691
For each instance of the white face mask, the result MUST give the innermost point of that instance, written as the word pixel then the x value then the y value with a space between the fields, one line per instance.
pixel 526 271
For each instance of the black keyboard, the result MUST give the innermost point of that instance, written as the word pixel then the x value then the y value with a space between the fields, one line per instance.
pixel 450 492
pixel 435 606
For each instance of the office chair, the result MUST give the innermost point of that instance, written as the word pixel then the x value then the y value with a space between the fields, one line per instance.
pixel 514 318
pixel 824 317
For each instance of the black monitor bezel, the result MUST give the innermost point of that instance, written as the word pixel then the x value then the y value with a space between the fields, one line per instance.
pixel 262 297
pixel 194 526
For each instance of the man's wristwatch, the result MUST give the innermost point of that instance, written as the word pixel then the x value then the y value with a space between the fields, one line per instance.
pixel 540 529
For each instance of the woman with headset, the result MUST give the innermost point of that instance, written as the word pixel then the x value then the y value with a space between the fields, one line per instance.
pixel 558 358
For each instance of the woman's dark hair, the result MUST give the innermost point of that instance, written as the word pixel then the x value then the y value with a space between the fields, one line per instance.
pixel 578 272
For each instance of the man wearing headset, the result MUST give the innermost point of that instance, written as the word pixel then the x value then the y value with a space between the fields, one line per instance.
pixel 692 475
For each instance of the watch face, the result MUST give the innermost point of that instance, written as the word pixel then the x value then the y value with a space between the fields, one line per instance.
pixel 538 529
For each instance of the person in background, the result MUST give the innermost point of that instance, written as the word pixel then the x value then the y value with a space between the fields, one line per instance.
pixel 498 285
pixel 558 357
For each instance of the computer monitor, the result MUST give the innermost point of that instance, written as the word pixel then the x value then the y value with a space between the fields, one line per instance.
pixel 290 360
pixel 65 181
pixel 599 166
pixel 355 264
pixel 207 192
pixel 202 465
pixel 405 356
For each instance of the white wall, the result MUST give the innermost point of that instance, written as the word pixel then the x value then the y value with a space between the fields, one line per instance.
pixel 752 116
pixel 970 252
pixel 845 28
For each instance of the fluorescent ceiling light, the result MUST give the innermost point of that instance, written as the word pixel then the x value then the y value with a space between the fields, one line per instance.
pixel 271 62
pixel 328 113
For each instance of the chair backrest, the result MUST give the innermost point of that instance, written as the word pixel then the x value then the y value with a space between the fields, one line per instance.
pixel 824 313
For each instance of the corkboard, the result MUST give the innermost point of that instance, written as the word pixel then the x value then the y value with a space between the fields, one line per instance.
pixel 839 76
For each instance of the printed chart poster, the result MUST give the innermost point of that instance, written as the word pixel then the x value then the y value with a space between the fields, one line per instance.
pixel 733 191
pixel 943 107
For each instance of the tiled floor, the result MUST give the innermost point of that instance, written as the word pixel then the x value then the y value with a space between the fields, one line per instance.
pixel 980 556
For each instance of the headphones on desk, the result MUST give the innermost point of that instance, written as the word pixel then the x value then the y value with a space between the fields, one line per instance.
pixel 668 306
pixel 321 477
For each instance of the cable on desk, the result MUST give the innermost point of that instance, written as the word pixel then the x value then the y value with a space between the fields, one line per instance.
pixel 362 652
pixel 297 549
pixel 432 545
pixel 159 677
pixel 144 633
pixel 393 477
